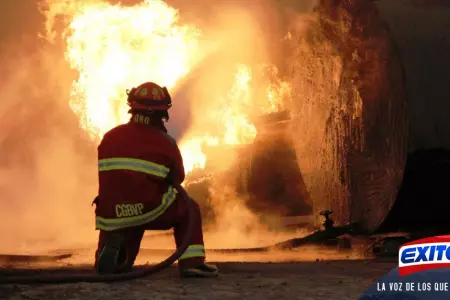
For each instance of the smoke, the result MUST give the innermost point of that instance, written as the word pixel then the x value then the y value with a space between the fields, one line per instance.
pixel 47 169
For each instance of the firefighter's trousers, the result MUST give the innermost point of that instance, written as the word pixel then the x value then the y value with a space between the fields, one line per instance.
pixel 176 217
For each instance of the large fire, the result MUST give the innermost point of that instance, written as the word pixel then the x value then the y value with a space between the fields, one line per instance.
pixel 114 48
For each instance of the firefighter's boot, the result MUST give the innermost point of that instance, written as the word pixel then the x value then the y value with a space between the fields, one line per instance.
pixel 112 258
pixel 200 270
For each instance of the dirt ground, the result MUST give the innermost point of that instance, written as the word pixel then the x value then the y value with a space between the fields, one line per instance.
pixel 313 279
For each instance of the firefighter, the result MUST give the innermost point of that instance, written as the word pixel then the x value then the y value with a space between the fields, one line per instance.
pixel 137 162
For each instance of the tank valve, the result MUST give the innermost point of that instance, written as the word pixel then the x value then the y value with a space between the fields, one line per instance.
pixel 328 223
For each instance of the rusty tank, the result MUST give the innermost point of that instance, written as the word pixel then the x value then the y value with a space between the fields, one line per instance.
pixel 374 105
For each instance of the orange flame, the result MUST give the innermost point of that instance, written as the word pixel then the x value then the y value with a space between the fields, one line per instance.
pixel 114 48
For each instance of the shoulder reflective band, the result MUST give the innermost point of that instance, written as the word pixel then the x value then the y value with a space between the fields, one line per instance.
pixel 133 164
pixel 193 251
pixel 120 223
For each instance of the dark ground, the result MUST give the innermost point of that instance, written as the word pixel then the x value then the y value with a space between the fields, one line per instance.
pixel 289 280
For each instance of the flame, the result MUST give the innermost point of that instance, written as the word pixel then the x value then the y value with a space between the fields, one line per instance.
pixel 114 48
pixel 192 152
pixel 232 110
pixel 228 118
pixel 230 115
pixel 278 92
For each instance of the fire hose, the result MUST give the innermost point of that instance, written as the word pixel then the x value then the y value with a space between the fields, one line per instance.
pixel 74 278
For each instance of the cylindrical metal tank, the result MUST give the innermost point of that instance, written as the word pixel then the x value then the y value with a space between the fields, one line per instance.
pixel 349 109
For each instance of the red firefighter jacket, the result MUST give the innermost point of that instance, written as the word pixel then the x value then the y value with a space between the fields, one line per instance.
pixel 134 161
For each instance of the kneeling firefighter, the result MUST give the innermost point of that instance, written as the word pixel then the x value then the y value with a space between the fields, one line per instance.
pixel 137 163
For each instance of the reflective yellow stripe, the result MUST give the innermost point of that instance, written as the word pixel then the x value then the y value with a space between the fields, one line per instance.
pixel 120 223
pixel 133 164
pixel 193 251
